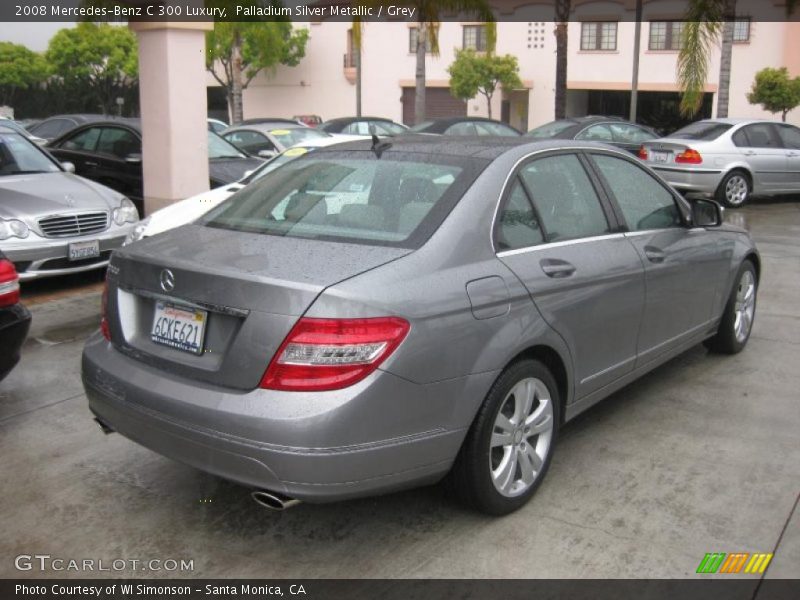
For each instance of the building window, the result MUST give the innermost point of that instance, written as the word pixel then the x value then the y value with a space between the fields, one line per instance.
pixel 599 36
pixel 741 30
pixel 413 40
pixel 666 35
pixel 475 37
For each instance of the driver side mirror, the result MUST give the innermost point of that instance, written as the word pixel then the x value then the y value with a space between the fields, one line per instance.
pixel 133 159
pixel 706 213
pixel 68 166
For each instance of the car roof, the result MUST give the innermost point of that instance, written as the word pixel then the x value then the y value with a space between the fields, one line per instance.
pixel 487 147
pixel 736 121
pixel 267 127
pixel 258 120
pixel 440 125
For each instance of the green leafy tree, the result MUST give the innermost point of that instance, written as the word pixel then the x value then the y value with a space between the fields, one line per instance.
pixel 775 91
pixel 708 23
pixel 97 61
pixel 20 69
pixel 237 52
pixel 473 73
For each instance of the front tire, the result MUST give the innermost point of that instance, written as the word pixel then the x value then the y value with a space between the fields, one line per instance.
pixel 508 449
pixel 740 311
pixel 734 190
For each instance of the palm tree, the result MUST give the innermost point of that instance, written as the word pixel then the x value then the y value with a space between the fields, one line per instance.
pixel 563 10
pixel 706 20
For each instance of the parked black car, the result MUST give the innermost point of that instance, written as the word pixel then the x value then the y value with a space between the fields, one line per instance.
pixel 609 130
pixel 466 126
pixel 14 318
pixel 110 152
pixel 56 126
pixel 362 126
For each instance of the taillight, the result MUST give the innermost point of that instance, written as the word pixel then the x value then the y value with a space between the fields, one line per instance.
pixel 104 313
pixel 642 153
pixel 331 354
pixel 689 156
pixel 9 283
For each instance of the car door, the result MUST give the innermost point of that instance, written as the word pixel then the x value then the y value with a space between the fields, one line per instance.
pixel 119 162
pixel 584 277
pixel 790 137
pixel 685 267
pixel 79 149
pixel 761 148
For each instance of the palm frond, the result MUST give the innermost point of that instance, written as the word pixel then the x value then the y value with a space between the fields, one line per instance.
pixel 700 34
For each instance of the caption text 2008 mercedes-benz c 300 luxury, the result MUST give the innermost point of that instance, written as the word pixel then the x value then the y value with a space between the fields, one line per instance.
pixel 379 315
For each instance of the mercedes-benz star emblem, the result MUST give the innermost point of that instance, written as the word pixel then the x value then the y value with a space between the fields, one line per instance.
pixel 167 280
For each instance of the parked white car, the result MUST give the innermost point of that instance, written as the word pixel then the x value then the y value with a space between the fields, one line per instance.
pixel 188 210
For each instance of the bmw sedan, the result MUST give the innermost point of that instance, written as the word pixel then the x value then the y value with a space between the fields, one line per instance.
pixel 53 222
pixel 729 159
pixel 371 317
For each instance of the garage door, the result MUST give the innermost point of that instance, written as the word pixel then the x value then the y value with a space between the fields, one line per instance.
pixel 438 104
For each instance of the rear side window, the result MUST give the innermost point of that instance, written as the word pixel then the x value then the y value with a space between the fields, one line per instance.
pixel 597 133
pixel 790 136
pixel 118 142
pixel 328 196
pixel 565 198
pixel 630 134
pixel 644 202
pixel 518 226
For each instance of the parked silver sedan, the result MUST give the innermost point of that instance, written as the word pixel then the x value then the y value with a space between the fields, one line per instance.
pixel 369 317
pixel 729 159
pixel 53 222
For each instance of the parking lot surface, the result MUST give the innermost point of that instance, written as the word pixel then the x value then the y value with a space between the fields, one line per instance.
pixel 702 455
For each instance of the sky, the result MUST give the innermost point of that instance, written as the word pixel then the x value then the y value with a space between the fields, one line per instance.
pixel 33 35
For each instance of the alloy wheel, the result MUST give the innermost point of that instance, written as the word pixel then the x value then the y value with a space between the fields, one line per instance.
pixel 745 306
pixel 736 190
pixel 521 437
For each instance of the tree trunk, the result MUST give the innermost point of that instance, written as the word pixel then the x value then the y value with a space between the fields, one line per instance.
pixel 561 70
pixel 489 104
pixel 723 94
pixel 419 97
pixel 237 111
pixel 357 52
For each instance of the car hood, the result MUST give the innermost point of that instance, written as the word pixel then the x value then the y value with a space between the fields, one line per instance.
pixel 40 194
pixel 188 210
pixel 228 170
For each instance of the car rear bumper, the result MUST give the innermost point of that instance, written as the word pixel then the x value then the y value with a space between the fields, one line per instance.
pixel 703 181
pixel 14 323
pixel 314 447
pixel 39 258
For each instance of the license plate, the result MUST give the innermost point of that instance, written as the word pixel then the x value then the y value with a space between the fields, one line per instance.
pixel 179 328
pixel 83 250
pixel 660 157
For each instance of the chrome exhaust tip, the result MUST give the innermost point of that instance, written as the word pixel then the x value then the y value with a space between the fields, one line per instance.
pixel 105 428
pixel 273 501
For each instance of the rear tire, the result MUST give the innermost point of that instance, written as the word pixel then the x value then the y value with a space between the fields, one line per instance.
pixel 734 190
pixel 508 448
pixel 740 312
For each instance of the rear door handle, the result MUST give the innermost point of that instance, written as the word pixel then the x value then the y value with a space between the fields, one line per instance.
pixel 750 153
pixel 556 268
pixel 654 254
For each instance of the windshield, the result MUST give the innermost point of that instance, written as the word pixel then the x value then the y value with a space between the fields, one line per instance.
pixel 702 130
pixel 290 137
pixel 337 197
pixel 19 155
pixel 219 148
pixel 549 130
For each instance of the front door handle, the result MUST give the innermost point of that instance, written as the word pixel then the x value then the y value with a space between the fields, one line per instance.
pixel 654 254
pixel 556 268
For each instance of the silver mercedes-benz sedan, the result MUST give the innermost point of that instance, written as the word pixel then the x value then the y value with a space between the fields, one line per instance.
pixel 729 159
pixel 53 222
pixel 370 317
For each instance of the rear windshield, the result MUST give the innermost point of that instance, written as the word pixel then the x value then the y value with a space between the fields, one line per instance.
pixel 350 196
pixel 702 130
pixel 548 130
